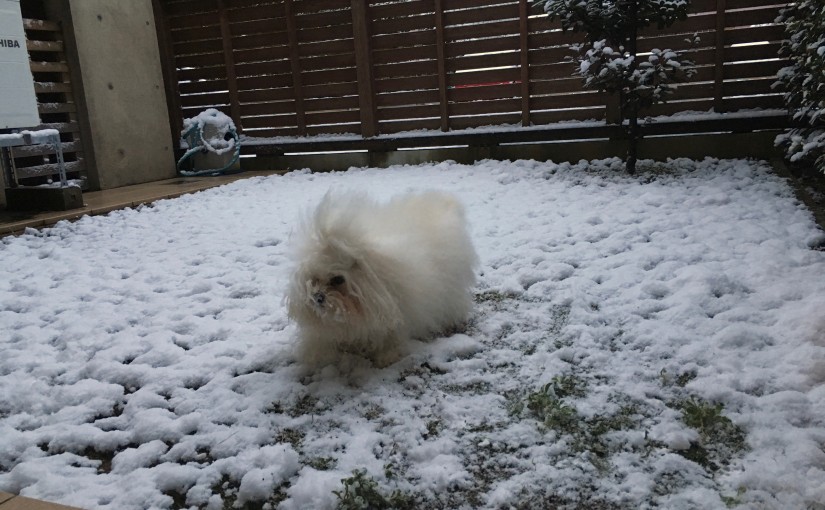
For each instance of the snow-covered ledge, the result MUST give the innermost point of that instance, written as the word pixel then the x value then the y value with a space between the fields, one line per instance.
pixel 682 123
pixel 52 196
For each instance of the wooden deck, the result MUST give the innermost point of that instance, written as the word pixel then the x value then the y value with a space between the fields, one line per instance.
pixel 12 502
pixel 102 202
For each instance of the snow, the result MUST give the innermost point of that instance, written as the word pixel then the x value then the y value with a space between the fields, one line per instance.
pixel 36 137
pixel 147 356
pixel 209 129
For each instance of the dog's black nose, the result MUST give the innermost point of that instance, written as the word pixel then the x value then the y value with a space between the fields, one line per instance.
pixel 319 298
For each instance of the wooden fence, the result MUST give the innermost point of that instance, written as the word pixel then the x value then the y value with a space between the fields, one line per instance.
pixel 370 67
pixel 55 100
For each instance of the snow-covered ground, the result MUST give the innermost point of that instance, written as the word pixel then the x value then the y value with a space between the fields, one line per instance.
pixel 638 342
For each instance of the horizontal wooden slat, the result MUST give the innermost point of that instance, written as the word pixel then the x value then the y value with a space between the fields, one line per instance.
pixel 202 87
pixel 272 11
pixel 50 46
pixel 750 17
pixel 484 120
pixel 414 97
pixel 483 77
pixel 472 4
pixel 313 6
pixel 403 84
pixel 399 10
pixel 264 95
pixel 385 127
pixel 196 34
pixel 203 19
pixel 49 67
pixel 271 121
pixel 410 112
pixel 198 47
pixel 511 58
pixel 549 117
pixel 260 82
pixel 486 92
pixel 425 67
pixel 403 25
pixel 202 73
pixel 494 14
pixel 272 132
pixel 731 5
pixel 388 42
pixel 331 89
pixel 262 54
pixel 315 118
pixel 52 88
pixel 333 129
pixel 401 55
pixel 45 108
pixel 262 68
pixel 482 30
pixel 202 60
pixel 50 169
pixel 221 98
pixel 41 25
pixel 26 151
pixel 189 7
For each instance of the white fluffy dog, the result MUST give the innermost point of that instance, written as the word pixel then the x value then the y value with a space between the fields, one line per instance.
pixel 371 276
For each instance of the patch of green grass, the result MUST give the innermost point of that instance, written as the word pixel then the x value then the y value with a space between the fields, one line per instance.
pixel 491 296
pixel 373 412
pixel 719 438
pixel 306 404
pixel 321 463
pixel 424 370
pixel 586 434
pixel 551 410
pixel 680 380
pixel 275 407
pixel 546 403
pixel 475 388
pixel 361 492
pixel 303 405
pixel 228 491
pixel 105 459
pixel 734 501
pixel 293 437
pixel 684 378
pixel 433 428
pixel 569 386
pixel 559 317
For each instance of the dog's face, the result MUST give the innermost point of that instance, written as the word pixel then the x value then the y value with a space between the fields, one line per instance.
pixel 337 283
pixel 325 287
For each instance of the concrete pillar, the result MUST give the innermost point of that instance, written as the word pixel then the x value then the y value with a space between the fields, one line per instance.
pixel 118 85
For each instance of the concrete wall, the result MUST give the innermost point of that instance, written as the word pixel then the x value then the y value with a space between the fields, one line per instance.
pixel 120 87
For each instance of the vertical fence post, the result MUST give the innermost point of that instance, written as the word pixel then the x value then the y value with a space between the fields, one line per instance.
pixel 229 59
pixel 719 57
pixel 295 67
pixel 525 63
pixel 170 78
pixel 363 65
pixel 440 47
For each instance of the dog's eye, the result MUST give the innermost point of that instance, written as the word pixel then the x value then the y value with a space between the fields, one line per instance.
pixel 335 281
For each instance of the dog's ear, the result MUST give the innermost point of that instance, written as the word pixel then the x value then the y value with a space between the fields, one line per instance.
pixel 371 283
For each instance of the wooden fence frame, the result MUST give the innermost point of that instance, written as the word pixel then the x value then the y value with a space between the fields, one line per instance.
pixel 56 105
pixel 245 57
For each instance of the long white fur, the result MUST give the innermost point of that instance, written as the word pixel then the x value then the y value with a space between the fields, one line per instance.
pixel 408 266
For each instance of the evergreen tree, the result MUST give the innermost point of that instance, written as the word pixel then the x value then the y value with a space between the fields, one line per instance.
pixel 609 61
pixel 804 81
